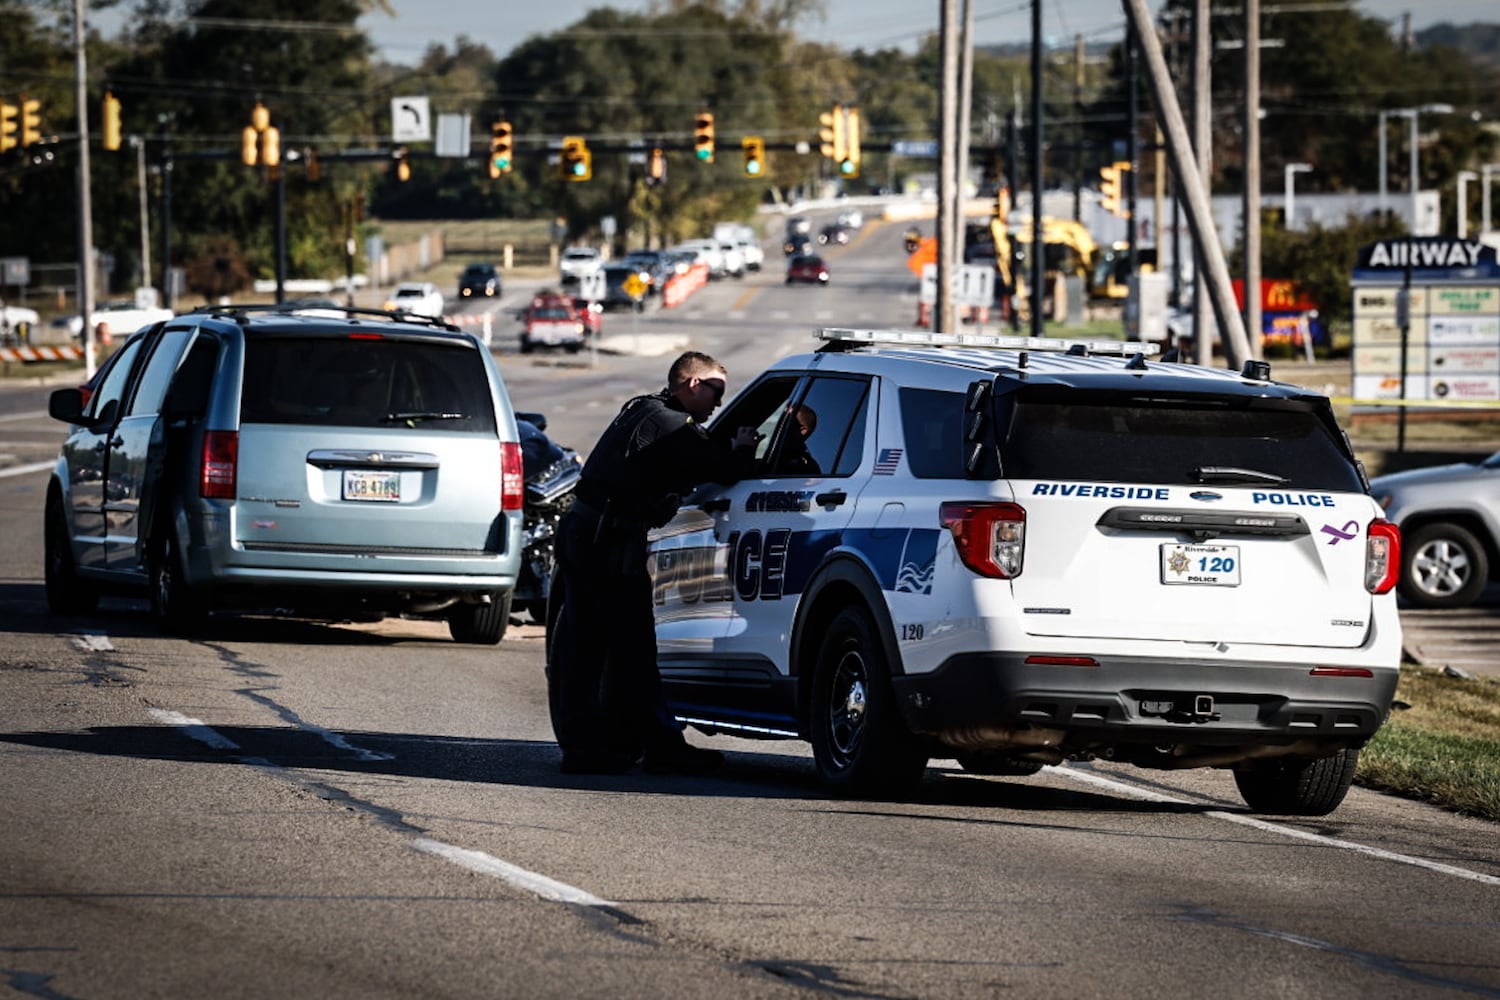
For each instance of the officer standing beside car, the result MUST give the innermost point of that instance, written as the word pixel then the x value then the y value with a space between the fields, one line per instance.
pixel 603 686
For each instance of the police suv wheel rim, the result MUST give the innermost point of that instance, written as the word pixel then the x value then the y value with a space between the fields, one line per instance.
pixel 847 707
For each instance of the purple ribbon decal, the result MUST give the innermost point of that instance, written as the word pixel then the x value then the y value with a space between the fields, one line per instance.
pixel 1349 531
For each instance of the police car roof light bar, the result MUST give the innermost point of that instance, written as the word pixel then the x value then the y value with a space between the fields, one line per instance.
pixel 840 337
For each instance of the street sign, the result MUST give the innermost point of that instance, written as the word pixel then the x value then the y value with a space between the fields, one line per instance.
pixel 411 119
pixel 973 285
pixel 591 286
pixel 914 147
pixel 634 286
pixel 453 136
pixel 15 271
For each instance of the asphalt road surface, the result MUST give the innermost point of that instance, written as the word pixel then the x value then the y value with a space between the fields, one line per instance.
pixel 284 808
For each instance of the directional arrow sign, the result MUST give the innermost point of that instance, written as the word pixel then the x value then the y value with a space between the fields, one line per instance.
pixel 411 120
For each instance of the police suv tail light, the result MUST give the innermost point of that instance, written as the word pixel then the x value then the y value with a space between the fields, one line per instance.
pixel 218 475
pixel 990 538
pixel 1382 556
pixel 512 476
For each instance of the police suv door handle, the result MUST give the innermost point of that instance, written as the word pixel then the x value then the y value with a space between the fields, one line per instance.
pixel 715 505
pixel 833 498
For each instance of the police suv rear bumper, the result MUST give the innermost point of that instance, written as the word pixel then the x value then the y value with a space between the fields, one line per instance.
pixel 1186 711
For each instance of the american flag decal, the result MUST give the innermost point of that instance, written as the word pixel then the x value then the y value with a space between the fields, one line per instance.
pixel 886 464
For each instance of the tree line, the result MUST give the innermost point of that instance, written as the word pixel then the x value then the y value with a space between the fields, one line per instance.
pixel 188 72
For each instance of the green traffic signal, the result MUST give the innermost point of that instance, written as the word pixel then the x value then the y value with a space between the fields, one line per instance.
pixel 579 169
pixel 846 167
pixel 705 154
pixel 752 168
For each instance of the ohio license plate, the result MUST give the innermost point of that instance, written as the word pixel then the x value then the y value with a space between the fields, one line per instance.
pixel 1200 565
pixel 370 484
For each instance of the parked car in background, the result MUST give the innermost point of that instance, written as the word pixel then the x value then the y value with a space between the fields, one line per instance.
pixel 616 276
pixel 576 262
pixel 17 323
pixel 807 269
pixel 734 260
pixel 479 281
pixel 707 252
pixel 1450 529
pixel 248 457
pixel 553 320
pixel 755 257
pixel 834 235
pixel 118 318
pixel 421 298
pixel 851 218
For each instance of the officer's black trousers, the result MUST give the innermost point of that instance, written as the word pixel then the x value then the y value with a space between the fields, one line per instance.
pixel 605 690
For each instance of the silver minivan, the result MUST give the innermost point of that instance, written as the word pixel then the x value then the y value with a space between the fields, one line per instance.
pixel 329 463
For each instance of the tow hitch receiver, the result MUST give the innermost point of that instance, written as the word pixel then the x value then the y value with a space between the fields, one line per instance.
pixel 1200 709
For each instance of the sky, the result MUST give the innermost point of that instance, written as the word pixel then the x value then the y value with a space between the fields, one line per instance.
pixel 851 24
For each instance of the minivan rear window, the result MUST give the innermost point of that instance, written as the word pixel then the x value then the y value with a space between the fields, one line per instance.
pixel 366 382
pixel 1219 441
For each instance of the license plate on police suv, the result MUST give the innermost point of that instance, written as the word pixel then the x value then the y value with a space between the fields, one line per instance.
pixel 372 484
pixel 1200 565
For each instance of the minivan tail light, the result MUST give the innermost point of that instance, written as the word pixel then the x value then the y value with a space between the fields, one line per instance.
pixel 219 474
pixel 512 476
pixel 990 538
pixel 1382 556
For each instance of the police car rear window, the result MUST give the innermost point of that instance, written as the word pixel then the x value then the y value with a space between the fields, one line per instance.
pixel 932 422
pixel 359 382
pixel 1174 440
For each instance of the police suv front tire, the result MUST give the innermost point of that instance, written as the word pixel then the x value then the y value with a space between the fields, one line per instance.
pixel 860 744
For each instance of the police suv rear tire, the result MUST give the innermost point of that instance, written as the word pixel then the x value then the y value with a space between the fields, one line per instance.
pixel 860 745
pixel 1298 787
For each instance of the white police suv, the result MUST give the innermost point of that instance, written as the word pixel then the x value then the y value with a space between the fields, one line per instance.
pixel 1016 552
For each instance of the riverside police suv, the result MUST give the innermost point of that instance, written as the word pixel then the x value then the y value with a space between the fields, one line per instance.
pixel 333 462
pixel 1016 552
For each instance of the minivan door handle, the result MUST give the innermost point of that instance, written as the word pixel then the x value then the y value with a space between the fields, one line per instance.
pixel 833 498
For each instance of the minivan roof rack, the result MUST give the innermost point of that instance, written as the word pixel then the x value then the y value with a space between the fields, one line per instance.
pixel 843 339
pixel 241 311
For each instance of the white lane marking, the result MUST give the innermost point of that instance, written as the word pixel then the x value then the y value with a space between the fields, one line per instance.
pixel 476 861
pixel 193 728
pixel 521 878
pixel 26 470
pixel 93 642
pixel 1277 828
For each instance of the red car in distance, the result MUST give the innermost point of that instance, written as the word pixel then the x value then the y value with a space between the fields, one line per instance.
pixel 807 269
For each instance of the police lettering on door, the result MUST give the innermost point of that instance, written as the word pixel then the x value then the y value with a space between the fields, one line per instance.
pixel 751 565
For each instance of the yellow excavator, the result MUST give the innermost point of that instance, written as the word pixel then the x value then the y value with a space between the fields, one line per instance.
pixel 1070 251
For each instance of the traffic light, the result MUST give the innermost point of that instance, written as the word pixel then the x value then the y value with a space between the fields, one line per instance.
pixel 500 149
pixel 314 170
pixel 1109 188
pixel 755 155
pixel 31 121
pixel 703 137
pixel 111 122
pixel 8 114
pixel 270 147
pixel 831 133
pixel 656 167
pixel 575 163
pixel 1111 183
pixel 403 166
pixel 250 145
pixel 849 165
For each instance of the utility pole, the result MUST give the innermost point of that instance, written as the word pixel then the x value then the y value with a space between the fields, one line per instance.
pixel 1132 152
pixel 965 100
pixel 1038 255
pixel 139 142
pixel 1202 141
pixel 1251 208
pixel 1199 211
pixel 943 312
pixel 1078 131
pixel 85 205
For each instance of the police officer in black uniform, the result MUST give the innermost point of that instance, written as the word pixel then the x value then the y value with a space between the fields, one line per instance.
pixel 604 689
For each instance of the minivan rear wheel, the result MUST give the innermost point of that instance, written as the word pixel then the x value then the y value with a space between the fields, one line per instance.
pixel 1297 786
pixel 480 624
pixel 175 606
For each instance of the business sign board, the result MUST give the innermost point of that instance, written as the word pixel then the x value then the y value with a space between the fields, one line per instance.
pixel 1426 322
